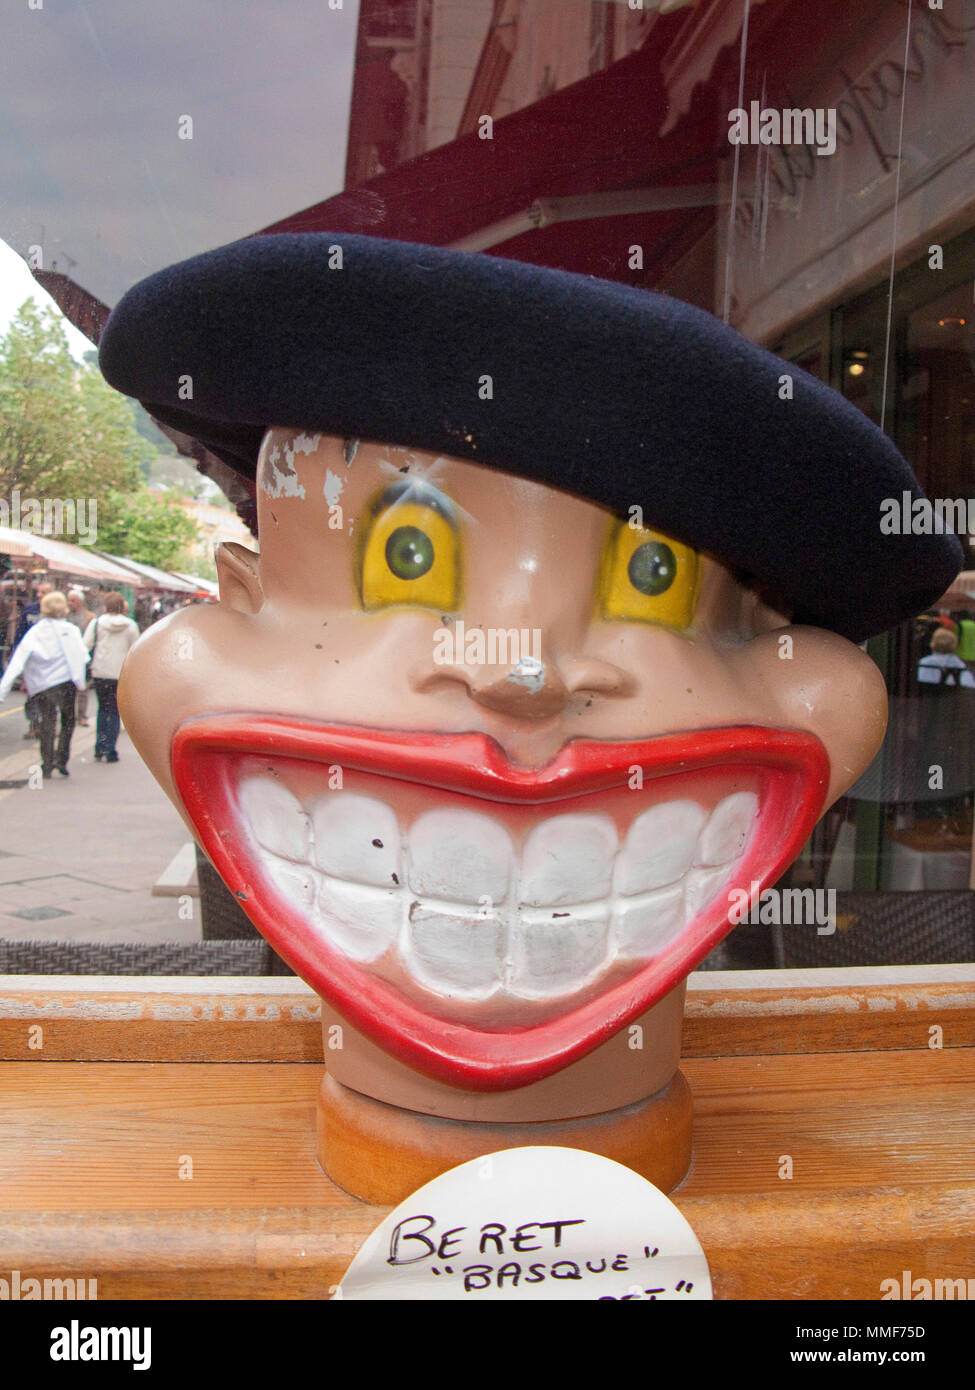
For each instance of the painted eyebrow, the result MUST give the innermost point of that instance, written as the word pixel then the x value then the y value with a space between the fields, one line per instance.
pixel 416 491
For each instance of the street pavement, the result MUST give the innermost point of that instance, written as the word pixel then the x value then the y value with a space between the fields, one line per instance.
pixel 79 854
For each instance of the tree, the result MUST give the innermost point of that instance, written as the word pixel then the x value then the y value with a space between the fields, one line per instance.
pixel 155 531
pixel 63 431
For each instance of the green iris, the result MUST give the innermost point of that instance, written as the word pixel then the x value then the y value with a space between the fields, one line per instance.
pixel 409 552
pixel 652 568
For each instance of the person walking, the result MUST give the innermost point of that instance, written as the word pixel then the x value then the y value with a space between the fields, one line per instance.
pixel 52 659
pixel 81 617
pixel 31 613
pixel 108 638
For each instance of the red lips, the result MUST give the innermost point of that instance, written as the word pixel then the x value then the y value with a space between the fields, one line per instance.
pixel 792 770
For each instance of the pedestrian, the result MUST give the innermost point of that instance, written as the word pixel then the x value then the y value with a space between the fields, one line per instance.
pixel 81 617
pixel 944 667
pixel 31 611
pixel 52 658
pixel 29 616
pixel 108 638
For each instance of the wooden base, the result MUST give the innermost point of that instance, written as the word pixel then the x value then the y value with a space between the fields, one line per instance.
pixel 380 1153
pixel 111 1085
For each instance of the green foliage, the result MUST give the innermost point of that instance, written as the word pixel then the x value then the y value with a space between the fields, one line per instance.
pixel 65 433
pixel 154 530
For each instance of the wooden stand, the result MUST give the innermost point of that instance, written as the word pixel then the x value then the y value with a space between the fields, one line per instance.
pixel 381 1153
pixel 159 1135
pixel 384 1129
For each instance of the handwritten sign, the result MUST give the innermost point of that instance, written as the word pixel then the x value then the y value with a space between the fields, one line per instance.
pixel 532 1223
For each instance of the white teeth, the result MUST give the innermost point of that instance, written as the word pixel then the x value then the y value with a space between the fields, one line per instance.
pixel 357 838
pixel 727 830
pixel 469 916
pixel 461 857
pixel 558 953
pixel 364 922
pixel 701 886
pixel 659 847
pixel 276 817
pixel 456 954
pixel 295 883
pixel 568 859
pixel 645 925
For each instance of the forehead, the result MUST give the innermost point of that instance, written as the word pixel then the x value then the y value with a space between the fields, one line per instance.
pixel 323 470
pixel 318 492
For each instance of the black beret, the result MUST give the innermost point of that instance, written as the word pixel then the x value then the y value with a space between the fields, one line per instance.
pixel 613 393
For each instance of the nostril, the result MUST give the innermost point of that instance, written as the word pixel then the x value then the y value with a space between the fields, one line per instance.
pixel 592 676
pixel 530 688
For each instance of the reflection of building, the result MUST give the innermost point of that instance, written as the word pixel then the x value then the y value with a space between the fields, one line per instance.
pixel 426 70
pixel 625 111
pixel 806 266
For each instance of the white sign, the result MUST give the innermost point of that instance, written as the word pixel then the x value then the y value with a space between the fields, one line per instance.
pixel 532 1223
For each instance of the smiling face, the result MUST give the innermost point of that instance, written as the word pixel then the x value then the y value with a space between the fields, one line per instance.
pixel 483 762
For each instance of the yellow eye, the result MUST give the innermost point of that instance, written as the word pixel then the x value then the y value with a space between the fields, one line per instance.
pixel 648 578
pixel 410 554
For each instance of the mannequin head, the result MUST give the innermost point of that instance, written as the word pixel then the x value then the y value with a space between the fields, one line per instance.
pixel 483 760
pixel 482 752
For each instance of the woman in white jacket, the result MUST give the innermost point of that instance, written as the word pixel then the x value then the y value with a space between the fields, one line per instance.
pixel 52 659
pixel 108 637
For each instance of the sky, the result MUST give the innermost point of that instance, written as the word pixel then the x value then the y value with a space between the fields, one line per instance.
pixel 18 284
pixel 95 168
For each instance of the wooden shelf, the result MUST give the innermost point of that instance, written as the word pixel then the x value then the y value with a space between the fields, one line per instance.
pixel 832 1069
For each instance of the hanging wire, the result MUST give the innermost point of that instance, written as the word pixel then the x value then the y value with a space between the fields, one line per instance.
pixel 897 198
pixel 734 179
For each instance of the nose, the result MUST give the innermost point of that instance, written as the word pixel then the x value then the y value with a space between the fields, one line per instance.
pixel 532 687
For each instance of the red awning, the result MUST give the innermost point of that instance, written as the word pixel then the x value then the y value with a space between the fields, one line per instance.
pixel 648 131
pixel 597 136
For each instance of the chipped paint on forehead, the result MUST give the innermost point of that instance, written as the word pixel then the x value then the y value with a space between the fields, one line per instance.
pixel 302 444
pixel 278 477
pixel 283 480
pixel 332 487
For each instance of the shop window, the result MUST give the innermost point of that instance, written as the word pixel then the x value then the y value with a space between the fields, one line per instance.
pixel 907 825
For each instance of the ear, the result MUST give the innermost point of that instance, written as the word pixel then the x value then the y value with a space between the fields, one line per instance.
pixel 239 574
pixel 825 685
